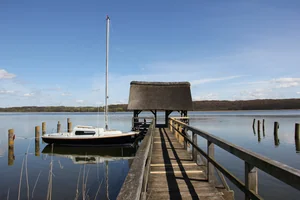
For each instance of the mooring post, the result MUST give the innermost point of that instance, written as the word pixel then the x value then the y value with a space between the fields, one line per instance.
pixel 210 166
pixel 276 139
pixel 251 179
pixel 37 141
pixel 68 121
pixel 258 125
pixel 253 124
pixel 11 144
pixel 58 127
pixel 11 141
pixel 37 132
pixel 263 124
pixel 69 127
pixel 43 128
pixel 297 131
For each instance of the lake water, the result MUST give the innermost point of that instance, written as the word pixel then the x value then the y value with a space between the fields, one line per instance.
pixel 101 172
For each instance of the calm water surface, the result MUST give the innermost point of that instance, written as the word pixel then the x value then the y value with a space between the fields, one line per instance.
pixel 90 171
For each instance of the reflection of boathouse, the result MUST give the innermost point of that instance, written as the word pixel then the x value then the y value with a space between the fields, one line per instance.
pixel 159 97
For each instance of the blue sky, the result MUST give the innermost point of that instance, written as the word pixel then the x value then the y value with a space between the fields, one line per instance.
pixel 53 52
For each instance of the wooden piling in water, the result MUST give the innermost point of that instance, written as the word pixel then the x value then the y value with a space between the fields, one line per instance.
pixel 276 139
pixel 11 142
pixel 37 141
pixel 68 120
pixel 297 131
pixel 58 127
pixel 253 125
pixel 276 127
pixel 43 128
pixel 258 126
pixel 11 147
pixel 69 127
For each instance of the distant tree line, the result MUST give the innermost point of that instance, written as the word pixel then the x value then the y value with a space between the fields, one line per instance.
pixel 111 108
pixel 261 104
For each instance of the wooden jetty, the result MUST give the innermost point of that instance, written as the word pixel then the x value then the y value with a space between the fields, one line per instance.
pixel 164 168
pixel 170 164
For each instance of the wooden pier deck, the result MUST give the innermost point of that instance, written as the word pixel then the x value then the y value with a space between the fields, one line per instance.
pixel 173 172
pixel 165 168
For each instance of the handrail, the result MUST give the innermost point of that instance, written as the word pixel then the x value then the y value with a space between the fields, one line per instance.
pixel 287 174
pixel 136 179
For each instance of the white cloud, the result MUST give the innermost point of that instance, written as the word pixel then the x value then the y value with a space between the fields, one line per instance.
pixel 122 101
pixel 7 91
pixel 286 82
pixel 99 103
pixel 29 94
pixel 66 94
pixel 79 101
pixel 209 96
pixel 208 80
pixel 298 92
pixel 5 75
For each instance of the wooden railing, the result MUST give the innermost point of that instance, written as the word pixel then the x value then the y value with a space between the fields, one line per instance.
pixel 252 160
pixel 135 184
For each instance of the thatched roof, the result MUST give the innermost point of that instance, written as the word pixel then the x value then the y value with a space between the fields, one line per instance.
pixel 160 96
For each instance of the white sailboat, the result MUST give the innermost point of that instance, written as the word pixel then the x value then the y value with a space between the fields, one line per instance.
pixel 89 135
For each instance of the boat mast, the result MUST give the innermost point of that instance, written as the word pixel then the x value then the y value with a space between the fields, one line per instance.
pixel 106 74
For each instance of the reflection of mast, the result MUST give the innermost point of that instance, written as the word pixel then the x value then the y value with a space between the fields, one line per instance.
pixel 106 167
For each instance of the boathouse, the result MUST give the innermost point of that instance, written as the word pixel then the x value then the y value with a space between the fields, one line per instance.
pixel 160 97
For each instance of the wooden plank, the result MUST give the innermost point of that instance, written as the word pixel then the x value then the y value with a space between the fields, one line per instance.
pixel 183 188
pixel 184 195
pixel 177 167
pixel 177 172
pixel 164 164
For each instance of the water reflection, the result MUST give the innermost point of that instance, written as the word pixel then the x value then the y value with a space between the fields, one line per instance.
pixel 297 144
pixel 91 155
pixel 258 136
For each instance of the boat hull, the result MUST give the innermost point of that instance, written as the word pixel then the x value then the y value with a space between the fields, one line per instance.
pixel 107 141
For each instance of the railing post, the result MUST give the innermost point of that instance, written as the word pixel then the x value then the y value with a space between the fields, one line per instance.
pixel 176 133
pixel 251 179
pixel 179 136
pixel 210 167
pixel 171 125
pixel 184 140
pixel 194 151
